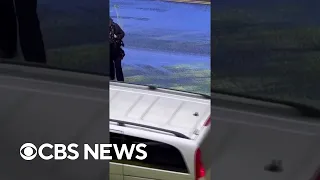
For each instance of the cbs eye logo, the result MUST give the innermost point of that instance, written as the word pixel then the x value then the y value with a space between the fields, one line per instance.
pixel 28 151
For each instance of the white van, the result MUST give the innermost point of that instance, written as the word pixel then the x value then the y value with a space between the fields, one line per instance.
pixel 173 124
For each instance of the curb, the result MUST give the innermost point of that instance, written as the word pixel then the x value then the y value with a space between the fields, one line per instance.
pixel 190 1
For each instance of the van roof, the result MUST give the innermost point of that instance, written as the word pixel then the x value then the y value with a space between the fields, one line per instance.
pixel 173 112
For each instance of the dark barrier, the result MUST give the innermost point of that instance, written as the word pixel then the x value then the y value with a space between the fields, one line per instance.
pixel 54 62
pixel 267 48
pixel 71 34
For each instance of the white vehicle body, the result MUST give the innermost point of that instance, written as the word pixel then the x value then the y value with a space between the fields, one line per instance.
pixel 173 124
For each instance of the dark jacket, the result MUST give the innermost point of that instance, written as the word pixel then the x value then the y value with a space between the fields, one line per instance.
pixel 115 29
pixel 118 31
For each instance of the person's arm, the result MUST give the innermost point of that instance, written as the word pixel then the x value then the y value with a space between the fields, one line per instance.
pixel 119 32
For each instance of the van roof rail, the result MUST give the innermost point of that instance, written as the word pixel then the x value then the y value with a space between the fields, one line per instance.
pixel 158 89
pixel 123 123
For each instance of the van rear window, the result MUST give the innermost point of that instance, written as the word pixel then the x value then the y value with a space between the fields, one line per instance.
pixel 160 155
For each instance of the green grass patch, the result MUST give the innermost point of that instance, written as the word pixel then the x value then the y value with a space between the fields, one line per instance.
pixel 93 58
pixel 173 77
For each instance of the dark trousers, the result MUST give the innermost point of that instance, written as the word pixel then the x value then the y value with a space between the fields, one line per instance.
pixel 115 64
pixel 21 14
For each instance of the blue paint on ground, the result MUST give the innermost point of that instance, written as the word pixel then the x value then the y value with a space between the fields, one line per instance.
pixel 158 59
pixel 164 33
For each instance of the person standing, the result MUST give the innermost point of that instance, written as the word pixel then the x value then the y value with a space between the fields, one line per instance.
pixel 21 16
pixel 116 35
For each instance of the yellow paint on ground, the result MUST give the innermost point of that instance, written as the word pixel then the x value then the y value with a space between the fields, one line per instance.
pixel 190 1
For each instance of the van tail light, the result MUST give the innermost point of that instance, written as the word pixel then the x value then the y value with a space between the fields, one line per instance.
pixel 316 175
pixel 208 122
pixel 199 168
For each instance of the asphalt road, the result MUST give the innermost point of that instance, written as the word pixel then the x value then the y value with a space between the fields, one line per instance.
pixel 246 139
pixel 41 112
